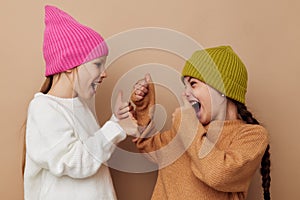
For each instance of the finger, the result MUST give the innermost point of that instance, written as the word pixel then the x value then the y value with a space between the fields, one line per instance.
pixel 142 82
pixel 119 98
pixel 124 110
pixel 148 78
pixel 123 105
pixel 138 97
pixel 139 93
pixel 141 88
pixel 128 108
pixel 126 114
pixel 123 116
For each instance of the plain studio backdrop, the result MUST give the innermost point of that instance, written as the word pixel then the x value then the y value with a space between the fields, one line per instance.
pixel 264 33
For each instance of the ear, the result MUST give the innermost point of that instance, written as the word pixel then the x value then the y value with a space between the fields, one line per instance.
pixel 71 74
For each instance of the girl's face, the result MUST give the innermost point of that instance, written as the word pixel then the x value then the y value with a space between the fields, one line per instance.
pixel 209 104
pixel 89 76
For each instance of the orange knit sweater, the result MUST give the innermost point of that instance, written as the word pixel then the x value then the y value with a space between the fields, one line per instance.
pixel 224 172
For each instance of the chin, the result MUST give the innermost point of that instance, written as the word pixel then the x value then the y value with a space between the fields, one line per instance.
pixel 86 96
pixel 89 97
pixel 204 121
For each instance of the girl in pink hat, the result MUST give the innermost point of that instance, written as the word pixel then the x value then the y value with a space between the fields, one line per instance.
pixel 66 149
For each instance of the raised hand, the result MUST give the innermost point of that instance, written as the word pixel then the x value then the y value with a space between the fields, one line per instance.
pixel 122 109
pixel 141 89
pixel 123 112
pixel 184 114
pixel 143 96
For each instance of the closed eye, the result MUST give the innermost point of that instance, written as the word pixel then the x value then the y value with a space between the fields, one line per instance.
pixel 98 64
pixel 193 83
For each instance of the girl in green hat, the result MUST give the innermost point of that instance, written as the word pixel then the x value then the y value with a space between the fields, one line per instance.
pixel 221 143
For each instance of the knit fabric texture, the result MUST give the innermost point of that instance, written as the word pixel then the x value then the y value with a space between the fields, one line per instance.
pixel 221 68
pixel 224 174
pixel 67 43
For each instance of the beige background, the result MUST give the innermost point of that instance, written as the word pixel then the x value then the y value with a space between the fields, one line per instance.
pixel 264 33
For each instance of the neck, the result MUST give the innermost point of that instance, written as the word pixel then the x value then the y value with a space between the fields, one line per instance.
pixel 231 111
pixel 62 86
pixel 227 110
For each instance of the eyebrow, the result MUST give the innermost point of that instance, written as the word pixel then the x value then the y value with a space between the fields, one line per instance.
pixel 98 62
pixel 182 79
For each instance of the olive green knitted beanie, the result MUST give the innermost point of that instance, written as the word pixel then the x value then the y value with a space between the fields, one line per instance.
pixel 221 68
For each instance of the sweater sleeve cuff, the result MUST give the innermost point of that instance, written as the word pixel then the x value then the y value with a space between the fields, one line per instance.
pixel 102 145
pixel 114 118
pixel 113 132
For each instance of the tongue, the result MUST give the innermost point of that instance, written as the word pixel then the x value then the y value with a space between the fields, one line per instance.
pixel 196 106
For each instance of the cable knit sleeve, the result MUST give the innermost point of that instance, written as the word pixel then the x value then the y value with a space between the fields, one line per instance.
pixel 166 147
pixel 153 143
pixel 230 167
pixel 151 140
pixel 53 144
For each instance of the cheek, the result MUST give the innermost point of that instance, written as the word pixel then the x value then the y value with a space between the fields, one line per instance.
pixel 95 72
pixel 206 110
pixel 82 85
pixel 203 96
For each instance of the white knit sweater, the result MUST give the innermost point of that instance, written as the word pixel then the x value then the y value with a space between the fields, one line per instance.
pixel 67 151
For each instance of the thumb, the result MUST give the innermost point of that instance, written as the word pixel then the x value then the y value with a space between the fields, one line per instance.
pixel 119 99
pixel 148 78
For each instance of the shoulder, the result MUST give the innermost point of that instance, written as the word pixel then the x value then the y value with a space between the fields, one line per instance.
pixel 42 103
pixel 44 109
pixel 253 132
pixel 253 128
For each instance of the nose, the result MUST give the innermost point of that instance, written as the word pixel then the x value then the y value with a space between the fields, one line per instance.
pixel 103 74
pixel 187 91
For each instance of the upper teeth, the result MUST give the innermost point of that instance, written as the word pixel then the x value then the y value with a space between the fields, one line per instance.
pixel 194 102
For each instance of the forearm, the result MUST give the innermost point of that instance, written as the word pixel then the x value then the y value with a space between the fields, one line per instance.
pixel 158 146
pixel 62 153
pixel 227 169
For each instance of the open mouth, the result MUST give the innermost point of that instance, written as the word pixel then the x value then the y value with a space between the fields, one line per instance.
pixel 196 105
pixel 95 85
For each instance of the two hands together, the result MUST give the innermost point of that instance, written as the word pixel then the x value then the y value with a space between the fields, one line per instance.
pixel 143 97
pixel 134 121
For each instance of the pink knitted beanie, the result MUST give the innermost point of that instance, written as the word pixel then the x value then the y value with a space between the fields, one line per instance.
pixel 67 43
